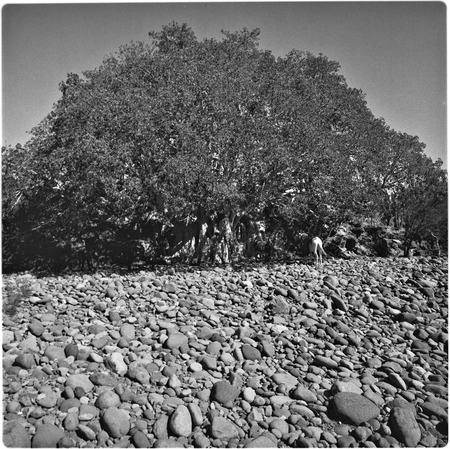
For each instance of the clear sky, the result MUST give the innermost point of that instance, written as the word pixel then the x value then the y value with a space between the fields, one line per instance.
pixel 395 52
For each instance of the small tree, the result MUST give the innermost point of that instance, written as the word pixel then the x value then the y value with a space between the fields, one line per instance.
pixel 423 203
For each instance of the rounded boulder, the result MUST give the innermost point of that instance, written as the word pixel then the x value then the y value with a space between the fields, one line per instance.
pixel 116 422
pixel 47 435
pixel 180 422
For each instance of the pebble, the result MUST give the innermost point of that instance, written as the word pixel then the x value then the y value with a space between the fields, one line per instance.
pixel 243 356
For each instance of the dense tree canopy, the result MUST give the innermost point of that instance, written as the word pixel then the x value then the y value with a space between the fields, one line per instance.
pixel 181 131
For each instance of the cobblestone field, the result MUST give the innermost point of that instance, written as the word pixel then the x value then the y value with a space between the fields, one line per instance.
pixel 349 354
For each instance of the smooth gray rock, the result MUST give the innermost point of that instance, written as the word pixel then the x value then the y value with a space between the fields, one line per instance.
pixel 116 363
pixel 116 422
pixel 224 393
pixel 261 441
pixel 404 427
pixel 175 340
pixel 250 353
pixel 79 380
pixel 54 352
pixel 137 372
pixel 223 429
pixel 354 408
pixel 15 435
pixel 47 435
pixel 180 422
pixel 107 399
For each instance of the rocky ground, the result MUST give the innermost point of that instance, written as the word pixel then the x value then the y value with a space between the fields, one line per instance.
pixel 350 354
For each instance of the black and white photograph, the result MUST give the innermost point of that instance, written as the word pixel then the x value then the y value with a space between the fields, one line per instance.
pixel 224 224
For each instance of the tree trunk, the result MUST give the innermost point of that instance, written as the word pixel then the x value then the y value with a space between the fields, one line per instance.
pixel 407 247
pixel 436 244
pixel 201 236
pixel 226 235
pixel 407 241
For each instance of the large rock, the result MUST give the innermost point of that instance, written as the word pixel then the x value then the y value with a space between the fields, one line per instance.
pixel 103 379
pixel 25 361
pixel 280 306
pixel 403 424
pixel 175 340
pixel 79 380
pixel 341 386
pixel 160 427
pixel 137 372
pixel 15 435
pixel 223 429
pixel 47 397
pixel 54 352
pixel 354 408
pixel 302 393
pixel 71 350
pixel 116 363
pixel 47 435
pixel 127 331
pixel 36 327
pixel 180 422
pixel 261 441
pixel 167 442
pixel 196 414
pixel 285 378
pixel 116 422
pixel 71 421
pixel 267 348
pixel 107 399
pixel 224 393
pixel 250 353
pixel 139 439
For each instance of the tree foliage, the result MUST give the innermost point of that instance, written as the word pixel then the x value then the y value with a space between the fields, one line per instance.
pixel 181 131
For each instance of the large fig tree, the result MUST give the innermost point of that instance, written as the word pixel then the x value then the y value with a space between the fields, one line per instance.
pixel 165 139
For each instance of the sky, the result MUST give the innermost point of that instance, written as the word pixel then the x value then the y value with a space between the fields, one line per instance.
pixel 395 52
